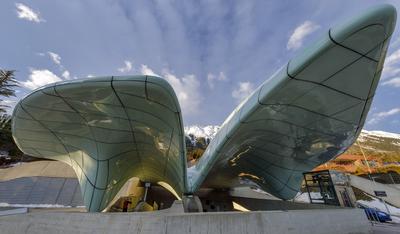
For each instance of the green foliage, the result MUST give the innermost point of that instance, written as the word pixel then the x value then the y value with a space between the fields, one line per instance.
pixel 7 85
pixel 6 140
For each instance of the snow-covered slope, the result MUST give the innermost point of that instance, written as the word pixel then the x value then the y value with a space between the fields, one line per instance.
pixel 208 131
pixel 365 133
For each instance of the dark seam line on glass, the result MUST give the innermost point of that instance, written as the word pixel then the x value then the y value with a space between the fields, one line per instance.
pixel 77 136
pixel 110 104
pixel 271 131
pixel 341 111
pixel 287 182
pixel 169 147
pixel 273 142
pixel 316 83
pixel 91 132
pixel 130 124
pixel 182 151
pixel 88 138
pixel 271 163
pixel 168 92
pixel 82 171
pixel 363 55
pixel 342 69
pixel 308 110
pixel 370 88
pixel 289 123
pixel 152 100
pixel 278 154
pixel 265 171
pixel 74 192
pixel 59 191
pixel 104 115
pixel 145 89
pixel 310 161
pixel 83 150
pixel 81 124
pixel 338 44
pixel 44 126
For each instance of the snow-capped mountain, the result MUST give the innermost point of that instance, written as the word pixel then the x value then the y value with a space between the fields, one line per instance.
pixel 381 149
pixel 208 131
pixel 377 134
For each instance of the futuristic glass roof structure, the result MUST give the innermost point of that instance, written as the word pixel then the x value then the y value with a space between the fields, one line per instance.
pixel 110 129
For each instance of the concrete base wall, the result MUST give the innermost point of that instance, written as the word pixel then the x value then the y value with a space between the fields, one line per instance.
pixel 392 191
pixel 296 221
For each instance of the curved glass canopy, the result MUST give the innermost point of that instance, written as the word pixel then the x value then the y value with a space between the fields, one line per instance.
pixel 309 112
pixel 110 129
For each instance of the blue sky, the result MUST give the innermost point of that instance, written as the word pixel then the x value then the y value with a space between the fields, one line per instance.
pixel 214 53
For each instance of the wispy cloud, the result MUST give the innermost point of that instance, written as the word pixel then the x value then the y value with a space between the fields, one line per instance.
pixel 301 32
pixel 187 88
pixel 126 68
pixel 54 57
pixel 145 70
pixel 391 67
pixel 395 82
pixel 242 91
pixel 66 75
pixel 211 78
pixel 38 78
pixel 25 12
pixel 378 117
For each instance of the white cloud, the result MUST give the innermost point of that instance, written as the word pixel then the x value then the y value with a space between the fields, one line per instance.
pixel 66 75
pixel 377 117
pixel 242 91
pixel 211 78
pixel 25 12
pixel 55 57
pixel 145 70
pixel 391 67
pixel 187 89
pixel 393 57
pixel 38 78
pixel 128 67
pixel 9 101
pixel 298 35
pixel 393 82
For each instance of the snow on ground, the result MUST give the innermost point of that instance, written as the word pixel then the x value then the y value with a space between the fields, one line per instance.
pixel 303 197
pixel 375 203
pixel 2 204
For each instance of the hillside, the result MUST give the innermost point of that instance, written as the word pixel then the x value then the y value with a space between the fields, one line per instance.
pixel 381 150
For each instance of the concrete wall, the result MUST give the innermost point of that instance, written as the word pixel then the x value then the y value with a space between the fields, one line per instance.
pixel 32 191
pixel 296 221
pixel 38 168
pixel 368 186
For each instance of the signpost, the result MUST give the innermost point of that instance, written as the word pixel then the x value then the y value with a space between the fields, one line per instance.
pixel 380 193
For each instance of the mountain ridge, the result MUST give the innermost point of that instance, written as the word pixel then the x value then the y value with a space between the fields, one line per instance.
pixel 373 152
